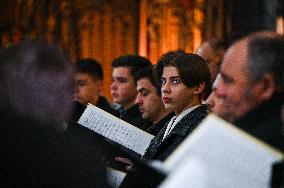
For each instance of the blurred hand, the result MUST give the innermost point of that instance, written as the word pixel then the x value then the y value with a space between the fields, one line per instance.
pixel 126 161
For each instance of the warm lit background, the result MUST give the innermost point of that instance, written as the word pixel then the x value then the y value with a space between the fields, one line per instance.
pixel 106 29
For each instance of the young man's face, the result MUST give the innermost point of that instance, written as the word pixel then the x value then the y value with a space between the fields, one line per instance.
pixel 175 94
pixel 149 102
pixel 123 87
pixel 87 88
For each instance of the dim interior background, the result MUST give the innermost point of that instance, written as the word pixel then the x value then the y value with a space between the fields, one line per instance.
pixel 106 29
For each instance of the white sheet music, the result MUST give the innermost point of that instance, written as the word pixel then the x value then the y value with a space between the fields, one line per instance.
pixel 115 177
pixel 115 129
pixel 218 155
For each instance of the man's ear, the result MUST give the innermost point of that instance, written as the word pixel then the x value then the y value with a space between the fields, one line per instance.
pixel 266 87
pixel 199 89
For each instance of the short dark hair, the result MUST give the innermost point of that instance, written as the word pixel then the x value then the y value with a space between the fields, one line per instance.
pixel 168 56
pixel 148 73
pixel 266 55
pixel 192 69
pixel 134 62
pixel 90 66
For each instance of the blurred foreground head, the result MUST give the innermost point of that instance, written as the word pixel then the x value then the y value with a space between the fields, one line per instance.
pixel 251 73
pixel 35 83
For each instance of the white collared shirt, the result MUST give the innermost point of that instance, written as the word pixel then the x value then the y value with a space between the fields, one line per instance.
pixel 176 119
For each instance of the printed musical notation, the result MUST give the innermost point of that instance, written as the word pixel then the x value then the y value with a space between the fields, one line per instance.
pixel 115 129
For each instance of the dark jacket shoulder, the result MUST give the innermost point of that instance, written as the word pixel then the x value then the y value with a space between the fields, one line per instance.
pixel 160 150
pixel 105 105
pixel 132 116
pixel 154 129
pixel 264 122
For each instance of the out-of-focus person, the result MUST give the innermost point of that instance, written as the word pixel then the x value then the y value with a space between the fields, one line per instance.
pixel 212 51
pixel 249 85
pixel 217 105
pixel 88 80
pixel 36 88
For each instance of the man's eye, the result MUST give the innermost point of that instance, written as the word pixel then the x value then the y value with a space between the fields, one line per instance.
pixel 176 81
pixel 144 93
pixel 163 82
pixel 122 81
pixel 227 80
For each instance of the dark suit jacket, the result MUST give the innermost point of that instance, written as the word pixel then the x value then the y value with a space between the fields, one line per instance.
pixel 105 105
pixel 154 129
pixel 264 122
pixel 159 150
pixel 133 116
pixel 35 155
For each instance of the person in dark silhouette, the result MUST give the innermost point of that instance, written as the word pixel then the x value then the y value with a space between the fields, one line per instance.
pixel 36 87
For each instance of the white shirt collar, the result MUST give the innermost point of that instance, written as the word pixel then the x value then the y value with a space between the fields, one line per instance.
pixel 172 124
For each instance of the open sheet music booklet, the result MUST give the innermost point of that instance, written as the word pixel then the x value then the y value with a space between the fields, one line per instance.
pixel 115 129
pixel 217 155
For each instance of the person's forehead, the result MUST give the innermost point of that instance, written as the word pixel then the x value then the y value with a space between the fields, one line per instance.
pixel 145 84
pixel 84 76
pixel 236 58
pixel 121 72
pixel 170 71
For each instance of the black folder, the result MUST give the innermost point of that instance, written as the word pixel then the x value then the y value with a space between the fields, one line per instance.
pixel 142 169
